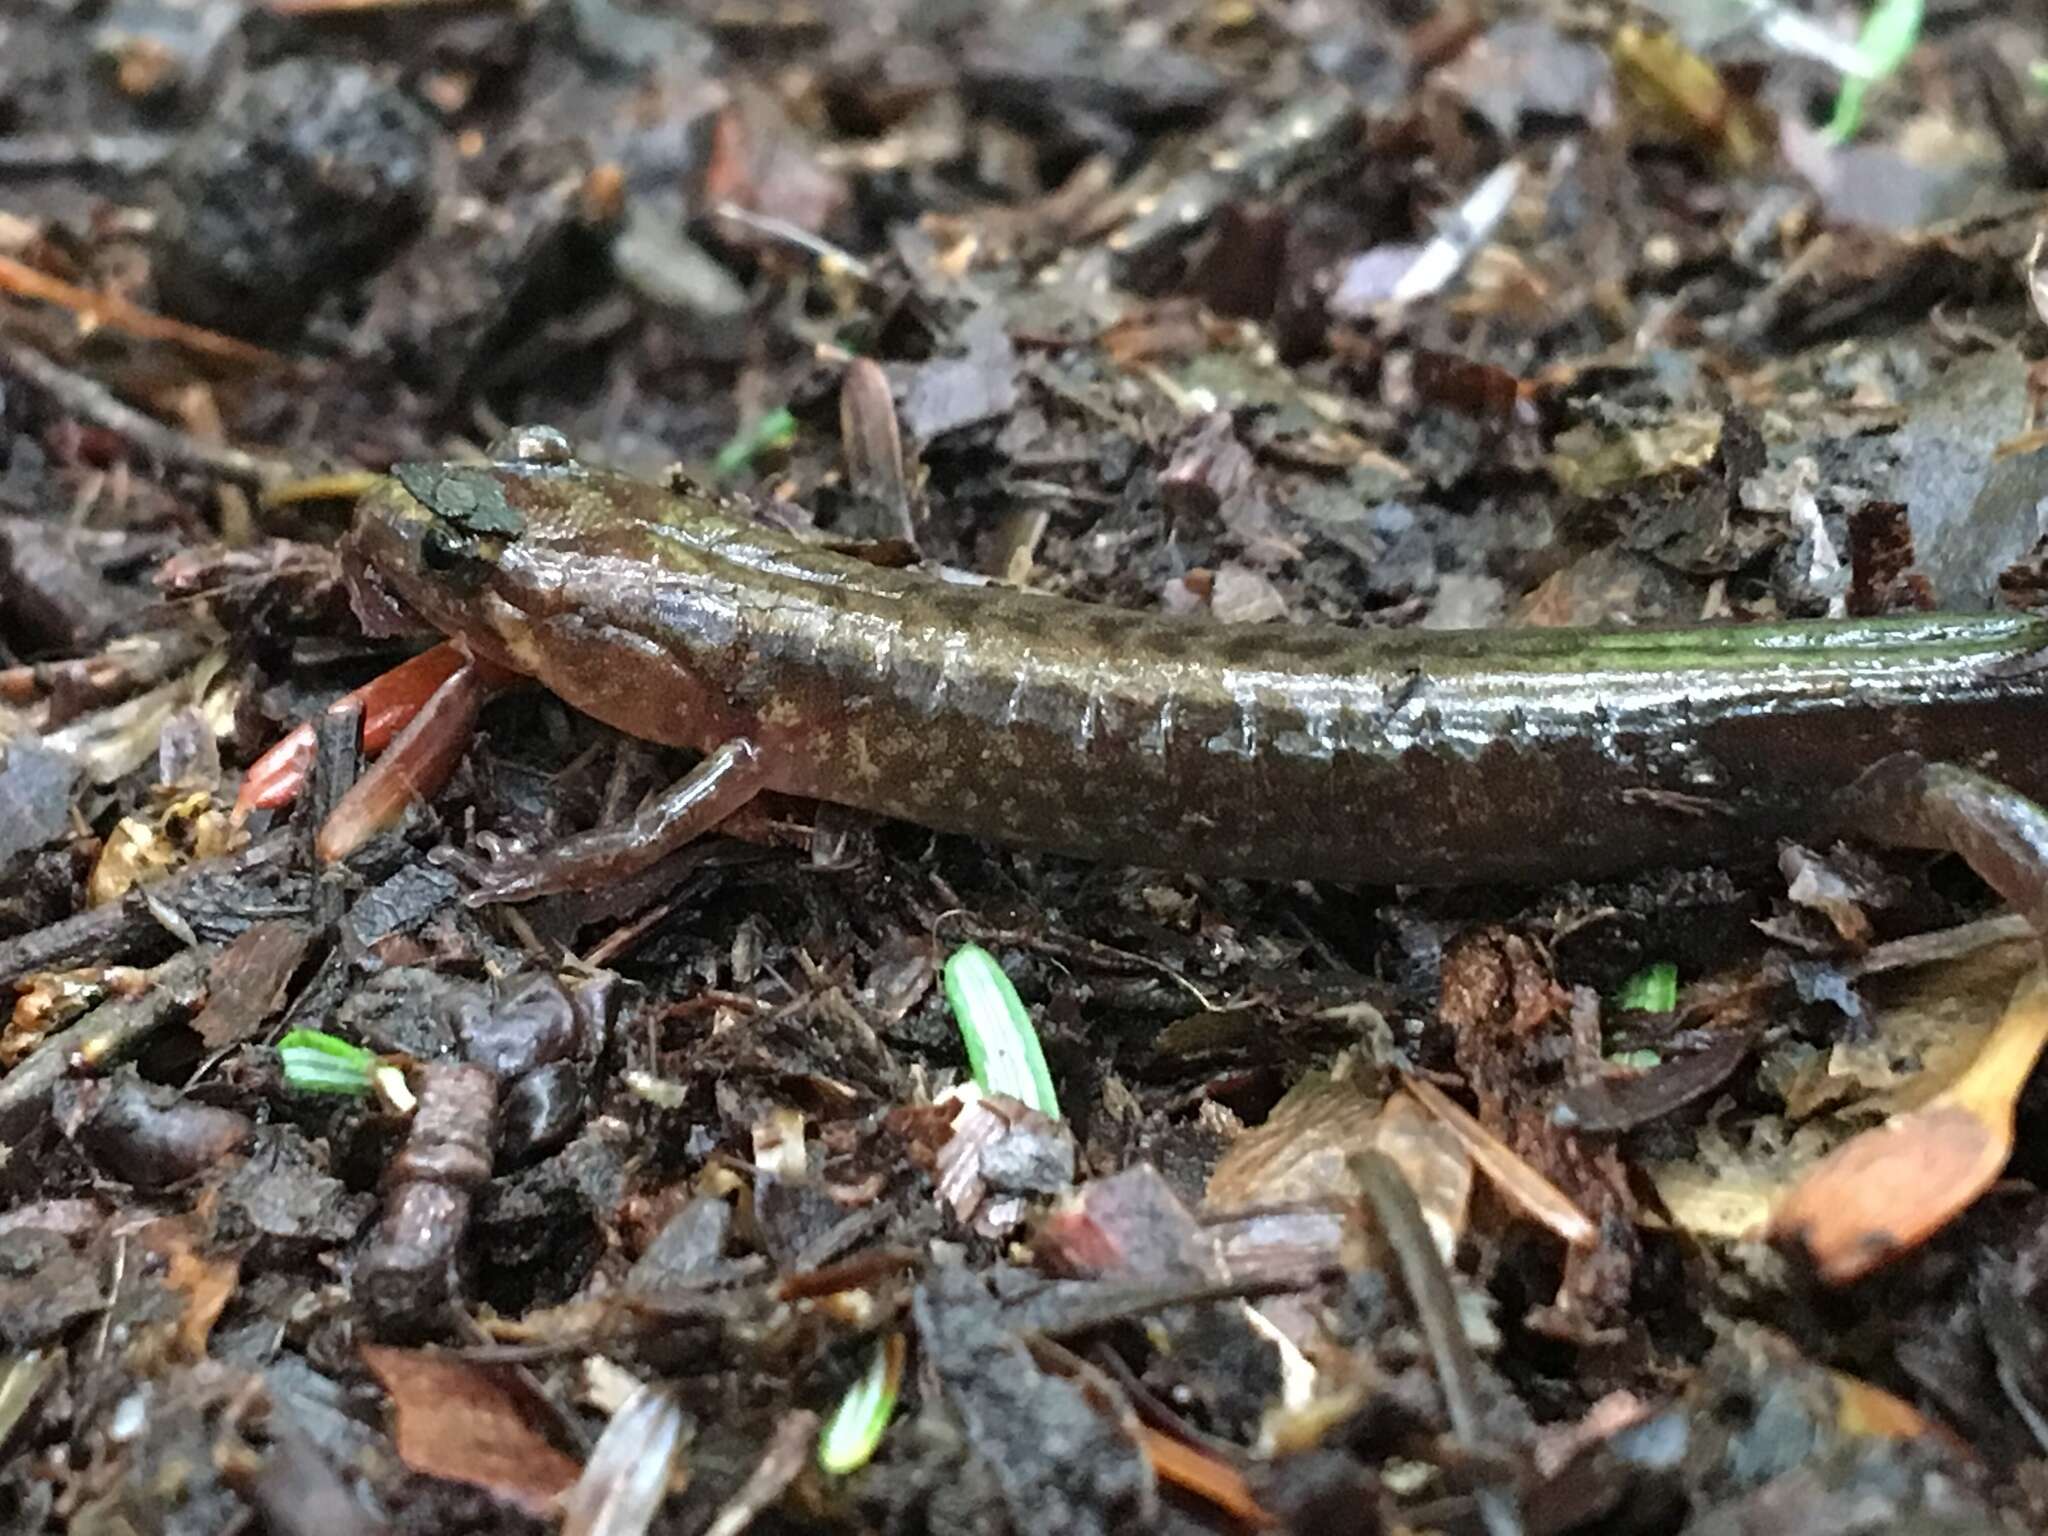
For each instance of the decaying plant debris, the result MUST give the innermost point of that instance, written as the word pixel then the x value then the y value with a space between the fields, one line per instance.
pixel 1492 1209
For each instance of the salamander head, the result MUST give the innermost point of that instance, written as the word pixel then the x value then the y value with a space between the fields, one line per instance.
pixel 425 544
pixel 448 543
pixel 581 579
pixel 489 551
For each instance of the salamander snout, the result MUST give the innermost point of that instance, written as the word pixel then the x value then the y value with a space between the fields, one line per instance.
pixel 404 559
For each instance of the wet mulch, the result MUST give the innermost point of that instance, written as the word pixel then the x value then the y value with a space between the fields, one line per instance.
pixel 1362 1209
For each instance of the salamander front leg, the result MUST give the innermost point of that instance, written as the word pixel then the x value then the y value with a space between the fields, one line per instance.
pixel 696 803
pixel 1909 802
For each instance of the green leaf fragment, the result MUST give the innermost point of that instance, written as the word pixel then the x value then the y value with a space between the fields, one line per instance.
pixel 1890 33
pixel 465 496
pixel 1650 991
pixel 771 431
pixel 1002 1047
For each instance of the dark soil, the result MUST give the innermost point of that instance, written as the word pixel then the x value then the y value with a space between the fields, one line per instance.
pixel 1394 315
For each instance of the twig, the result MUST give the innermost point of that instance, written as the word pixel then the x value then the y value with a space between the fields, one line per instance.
pixel 124 931
pixel 784 1455
pixel 118 314
pixel 1305 133
pixel 349 7
pixel 1943 944
pixel 1428 1284
pixel 108 1033
pixel 828 256
pixel 93 401
pixel 125 154
pixel 343 485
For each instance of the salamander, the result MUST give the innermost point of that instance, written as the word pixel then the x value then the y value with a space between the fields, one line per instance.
pixel 1298 751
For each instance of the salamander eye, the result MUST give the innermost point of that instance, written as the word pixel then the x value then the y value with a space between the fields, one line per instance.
pixel 443 551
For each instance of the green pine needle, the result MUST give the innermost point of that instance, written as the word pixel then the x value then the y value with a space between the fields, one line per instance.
pixel 321 1063
pixel 848 1440
pixel 1889 33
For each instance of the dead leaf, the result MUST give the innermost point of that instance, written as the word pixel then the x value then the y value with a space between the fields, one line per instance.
pixel 206 1280
pixel 246 983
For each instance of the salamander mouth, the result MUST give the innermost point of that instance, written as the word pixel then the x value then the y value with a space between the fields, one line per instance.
pixel 379 550
pixel 379 608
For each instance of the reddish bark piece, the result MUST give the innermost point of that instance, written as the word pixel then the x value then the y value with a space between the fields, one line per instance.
pixel 1130 1223
pixel 471 1424
pixel 418 763
pixel 1203 1474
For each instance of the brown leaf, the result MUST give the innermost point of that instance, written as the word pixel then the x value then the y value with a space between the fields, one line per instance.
pixel 1518 1180
pixel 206 1280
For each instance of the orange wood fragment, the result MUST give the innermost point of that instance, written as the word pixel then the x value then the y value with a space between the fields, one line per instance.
pixel 1885 1192
pixel 1196 1472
